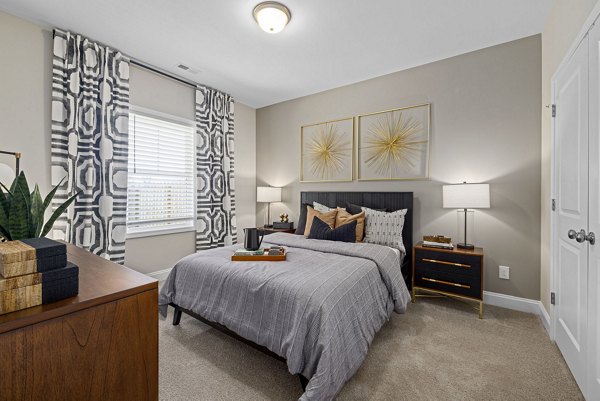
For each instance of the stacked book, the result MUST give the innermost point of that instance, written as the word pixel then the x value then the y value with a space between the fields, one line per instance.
pixel 441 245
pixel 33 272
pixel 244 252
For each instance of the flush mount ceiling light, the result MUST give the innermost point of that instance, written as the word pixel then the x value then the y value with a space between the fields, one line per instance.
pixel 271 16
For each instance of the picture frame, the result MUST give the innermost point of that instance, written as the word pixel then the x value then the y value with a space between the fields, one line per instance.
pixel 394 144
pixel 327 151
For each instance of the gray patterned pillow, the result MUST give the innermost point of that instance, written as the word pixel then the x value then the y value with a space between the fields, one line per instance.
pixel 322 208
pixel 384 228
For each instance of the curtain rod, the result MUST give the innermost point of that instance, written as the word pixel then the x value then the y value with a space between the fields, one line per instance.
pixel 152 68
pixel 160 72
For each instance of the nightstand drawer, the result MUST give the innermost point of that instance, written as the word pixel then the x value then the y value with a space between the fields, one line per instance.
pixel 469 286
pixel 452 263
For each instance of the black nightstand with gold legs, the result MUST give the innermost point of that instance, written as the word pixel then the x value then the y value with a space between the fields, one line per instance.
pixel 455 273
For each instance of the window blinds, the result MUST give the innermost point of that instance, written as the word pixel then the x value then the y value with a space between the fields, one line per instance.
pixel 160 193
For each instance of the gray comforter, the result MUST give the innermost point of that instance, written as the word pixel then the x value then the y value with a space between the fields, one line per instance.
pixel 320 309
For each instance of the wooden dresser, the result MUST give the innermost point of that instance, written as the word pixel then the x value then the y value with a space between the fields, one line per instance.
pixel 100 345
pixel 454 272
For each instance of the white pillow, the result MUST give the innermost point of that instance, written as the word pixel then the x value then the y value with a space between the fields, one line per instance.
pixel 384 228
pixel 321 208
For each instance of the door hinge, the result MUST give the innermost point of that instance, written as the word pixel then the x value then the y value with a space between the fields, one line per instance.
pixel 553 298
pixel 553 110
pixel 553 204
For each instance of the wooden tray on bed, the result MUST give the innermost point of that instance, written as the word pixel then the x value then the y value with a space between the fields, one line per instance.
pixel 263 257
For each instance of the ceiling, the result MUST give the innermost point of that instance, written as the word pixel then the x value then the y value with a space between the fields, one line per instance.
pixel 328 43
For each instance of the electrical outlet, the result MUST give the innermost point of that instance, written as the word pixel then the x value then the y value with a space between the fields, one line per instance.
pixel 504 272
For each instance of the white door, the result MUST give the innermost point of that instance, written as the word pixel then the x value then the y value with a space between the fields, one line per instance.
pixel 593 390
pixel 571 174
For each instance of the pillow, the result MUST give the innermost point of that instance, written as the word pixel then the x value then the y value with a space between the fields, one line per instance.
pixel 355 209
pixel 322 208
pixel 302 219
pixel 321 230
pixel 343 217
pixel 384 228
pixel 328 218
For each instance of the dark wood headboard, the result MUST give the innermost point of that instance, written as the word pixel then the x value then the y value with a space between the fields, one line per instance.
pixel 390 201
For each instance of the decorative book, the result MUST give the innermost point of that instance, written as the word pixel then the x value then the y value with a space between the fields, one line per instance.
pixel 437 238
pixel 441 245
pixel 35 289
pixel 286 225
pixel 32 255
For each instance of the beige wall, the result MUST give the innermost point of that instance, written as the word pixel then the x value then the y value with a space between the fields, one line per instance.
pixel 485 128
pixel 25 95
pixel 565 20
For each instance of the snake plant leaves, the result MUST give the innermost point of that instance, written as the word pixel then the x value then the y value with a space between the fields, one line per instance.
pixel 37 213
pixel 60 210
pixel 22 212
pixel 18 219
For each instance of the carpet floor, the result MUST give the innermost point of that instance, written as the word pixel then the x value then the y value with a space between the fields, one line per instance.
pixel 438 350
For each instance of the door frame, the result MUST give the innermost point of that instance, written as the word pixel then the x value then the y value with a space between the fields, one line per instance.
pixel 589 23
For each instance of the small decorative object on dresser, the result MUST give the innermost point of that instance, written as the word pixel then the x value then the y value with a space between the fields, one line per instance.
pixel 283 217
pixel 456 272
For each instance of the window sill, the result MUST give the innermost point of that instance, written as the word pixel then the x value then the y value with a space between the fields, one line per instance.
pixel 157 232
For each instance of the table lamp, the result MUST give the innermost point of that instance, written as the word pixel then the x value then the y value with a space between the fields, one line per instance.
pixel 268 195
pixel 466 196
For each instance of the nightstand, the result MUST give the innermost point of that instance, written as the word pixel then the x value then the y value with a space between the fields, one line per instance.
pixel 456 273
pixel 271 230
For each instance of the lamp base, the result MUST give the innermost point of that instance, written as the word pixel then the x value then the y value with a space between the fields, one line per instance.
pixel 465 246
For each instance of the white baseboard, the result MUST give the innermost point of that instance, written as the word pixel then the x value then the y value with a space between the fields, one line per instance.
pixel 519 304
pixel 545 317
pixel 160 275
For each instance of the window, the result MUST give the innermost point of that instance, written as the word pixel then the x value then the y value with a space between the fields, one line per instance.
pixel 160 193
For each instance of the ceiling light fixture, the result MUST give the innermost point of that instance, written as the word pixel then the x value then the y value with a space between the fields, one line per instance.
pixel 271 16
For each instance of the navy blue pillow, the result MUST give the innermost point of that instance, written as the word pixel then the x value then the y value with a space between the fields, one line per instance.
pixel 321 230
pixel 302 219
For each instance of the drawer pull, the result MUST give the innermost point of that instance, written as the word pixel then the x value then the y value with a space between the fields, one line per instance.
pixel 447 263
pixel 446 282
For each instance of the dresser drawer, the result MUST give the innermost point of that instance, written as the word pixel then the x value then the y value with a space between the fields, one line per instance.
pixel 453 263
pixel 440 280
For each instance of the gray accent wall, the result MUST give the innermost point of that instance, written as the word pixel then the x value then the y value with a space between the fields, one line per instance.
pixel 485 127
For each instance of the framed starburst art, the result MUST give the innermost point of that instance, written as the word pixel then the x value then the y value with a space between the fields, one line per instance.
pixel 394 144
pixel 327 151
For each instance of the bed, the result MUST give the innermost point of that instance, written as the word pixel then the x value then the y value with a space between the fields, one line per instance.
pixel 318 311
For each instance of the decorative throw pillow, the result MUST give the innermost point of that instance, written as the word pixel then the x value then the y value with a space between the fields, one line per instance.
pixel 343 217
pixel 356 209
pixel 321 230
pixel 328 218
pixel 302 220
pixel 384 228
pixel 322 208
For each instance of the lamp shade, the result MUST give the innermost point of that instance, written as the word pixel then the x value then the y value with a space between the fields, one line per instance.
pixel 268 194
pixel 466 196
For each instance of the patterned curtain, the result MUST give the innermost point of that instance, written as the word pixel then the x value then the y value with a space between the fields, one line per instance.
pixel 90 112
pixel 215 225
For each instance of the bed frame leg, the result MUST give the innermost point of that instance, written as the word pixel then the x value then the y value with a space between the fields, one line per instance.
pixel 177 316
pixel 303 382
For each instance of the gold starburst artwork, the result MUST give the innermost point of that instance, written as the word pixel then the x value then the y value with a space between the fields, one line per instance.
pixel 395 143
pixel 328 151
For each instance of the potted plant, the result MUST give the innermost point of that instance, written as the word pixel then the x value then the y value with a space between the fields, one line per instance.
pixel 22 212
